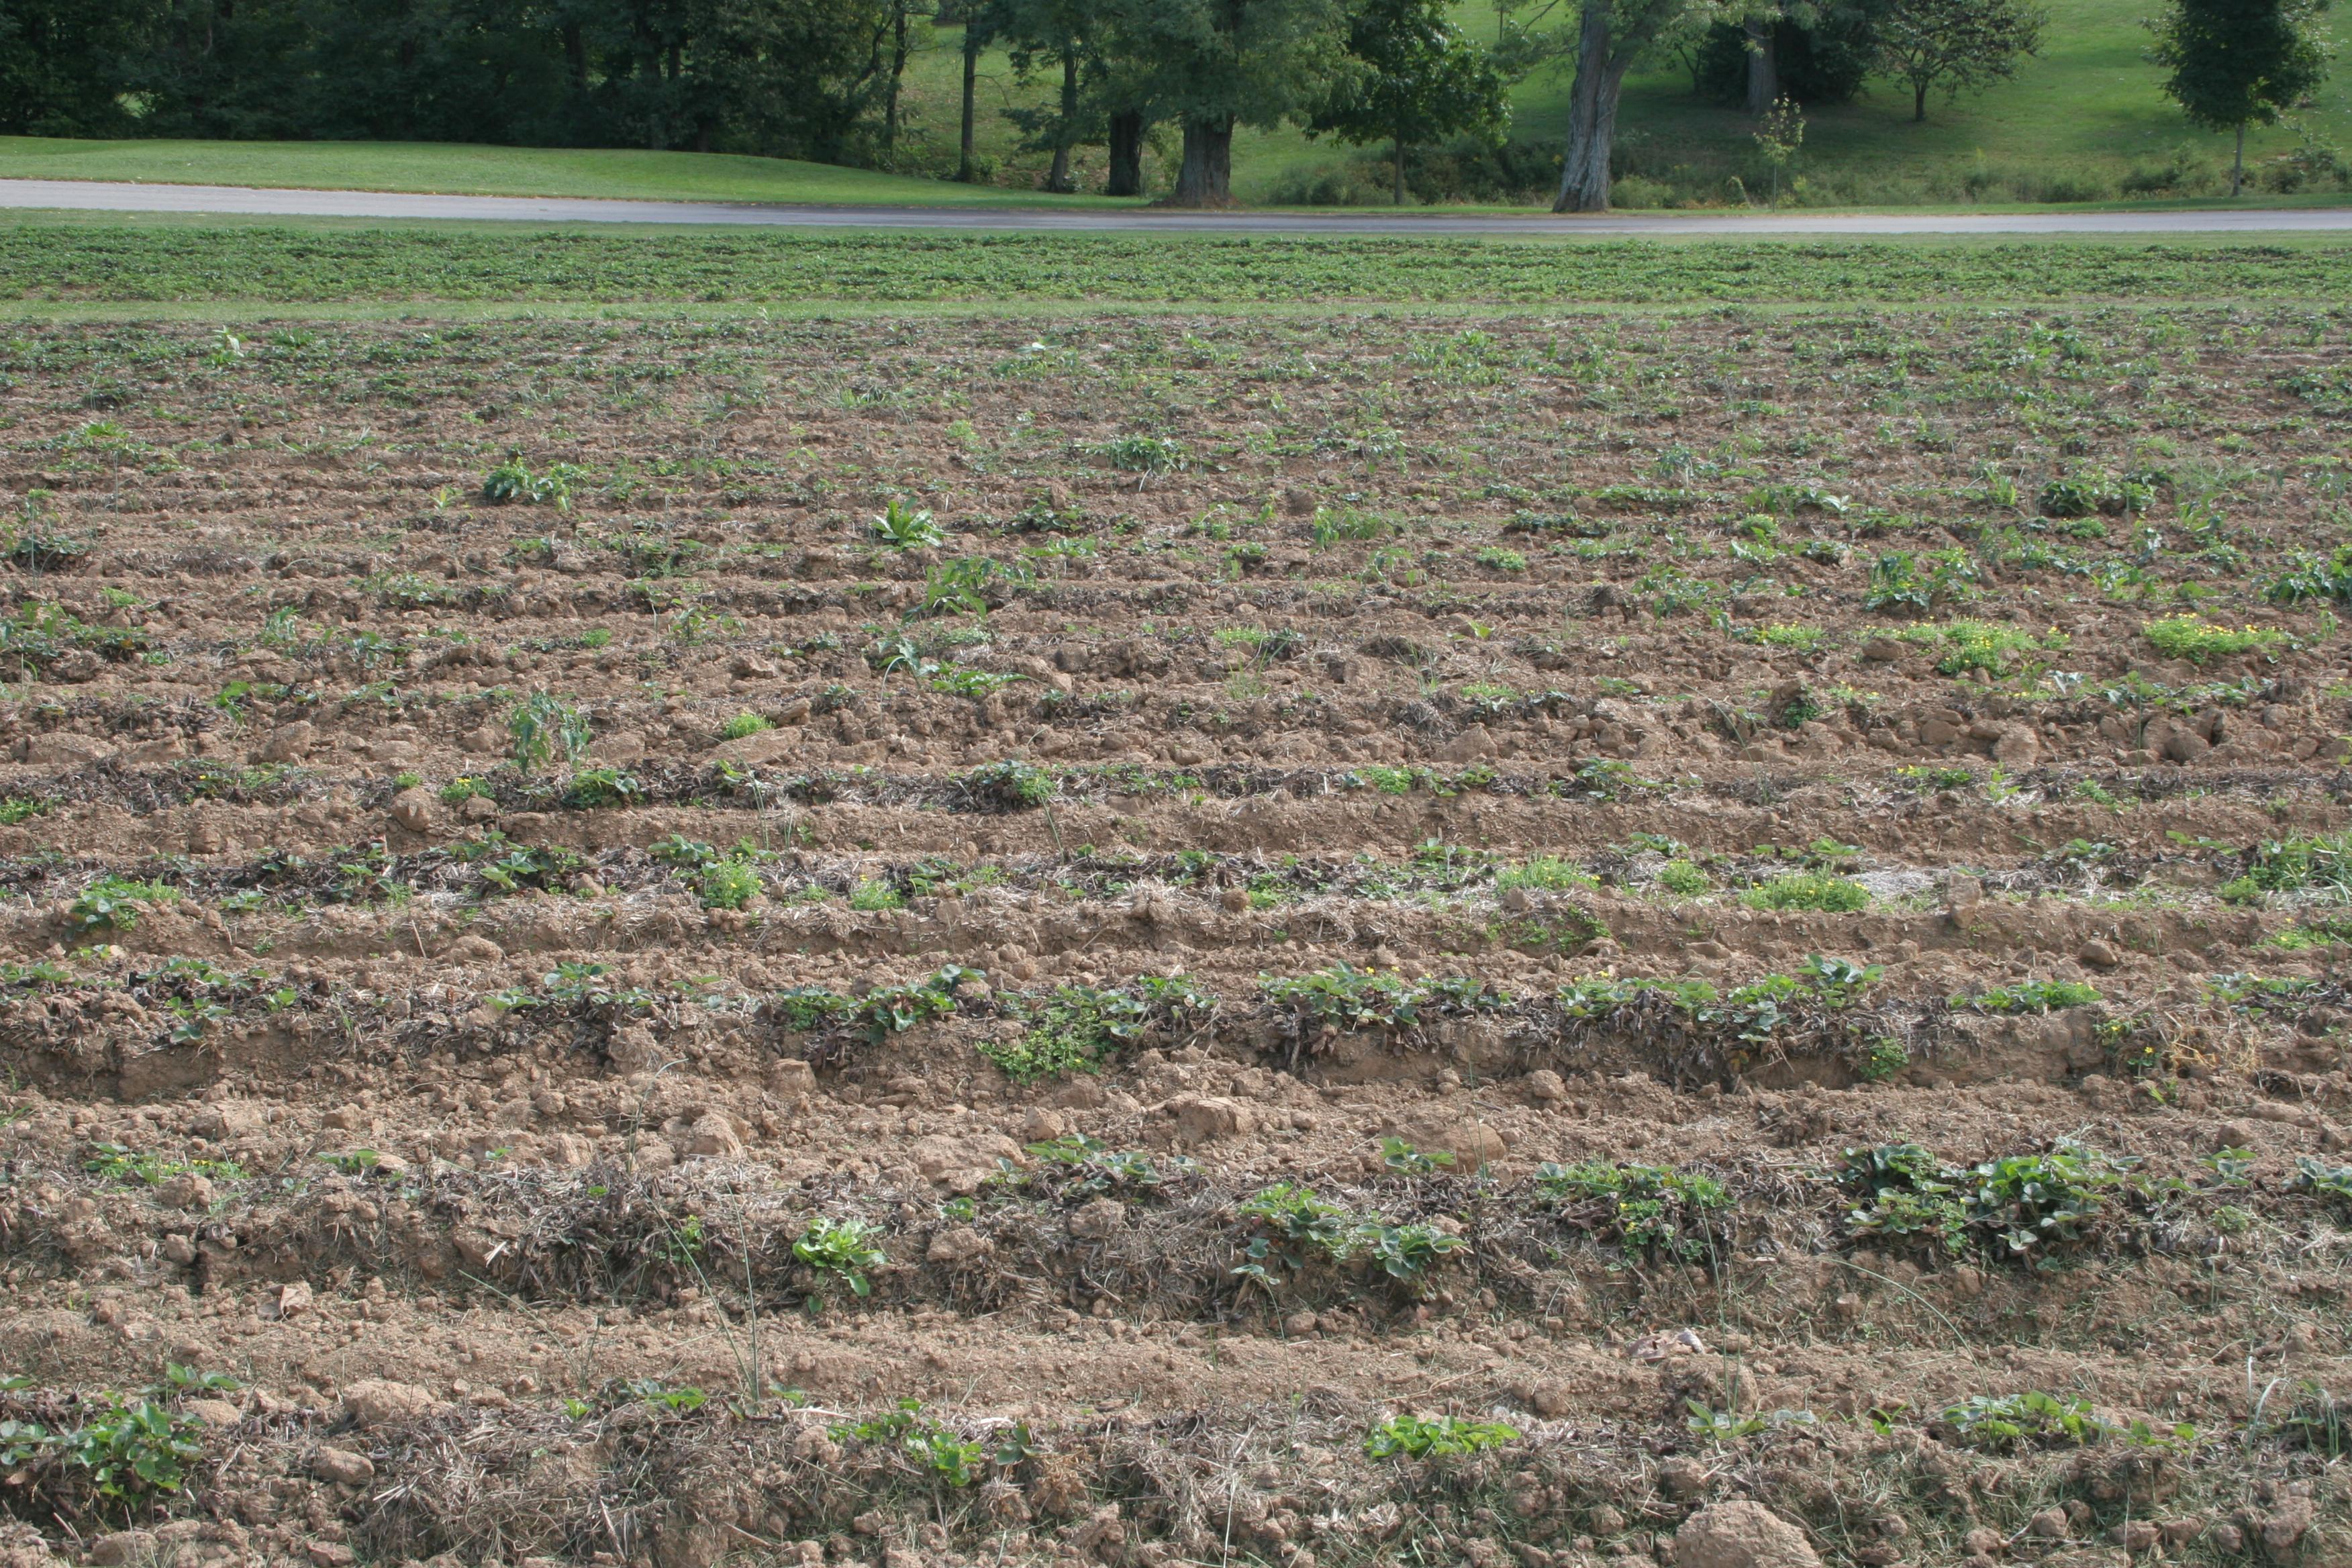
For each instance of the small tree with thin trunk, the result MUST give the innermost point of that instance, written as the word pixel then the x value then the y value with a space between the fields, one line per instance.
pixel 1960 46
pixel 2236 63
pixel 1420 81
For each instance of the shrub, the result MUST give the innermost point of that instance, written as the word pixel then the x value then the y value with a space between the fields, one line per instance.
pixel 2200 642
pixel 1808 890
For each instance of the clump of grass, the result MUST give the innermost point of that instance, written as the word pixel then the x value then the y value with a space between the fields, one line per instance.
pixel 744 724
pixel 2200 641
pixel 1808 890
pixel 1683 879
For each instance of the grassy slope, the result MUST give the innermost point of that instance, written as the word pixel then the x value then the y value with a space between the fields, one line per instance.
pixel 2089 106
pixel 486 171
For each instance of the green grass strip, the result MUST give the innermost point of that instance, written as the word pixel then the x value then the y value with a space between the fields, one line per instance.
pixel 95 264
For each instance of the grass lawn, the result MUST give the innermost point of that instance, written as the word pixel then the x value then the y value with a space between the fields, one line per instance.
pixel 495 171
pixel 2077 120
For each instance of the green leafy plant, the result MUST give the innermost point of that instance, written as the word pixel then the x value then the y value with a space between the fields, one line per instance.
pixel 545 727
pixel 1650 1209
pixel 841 1250
pixel 727 885
pixel 2032 997
pixel 901 527
pixel 1434 1436
pixel 111 903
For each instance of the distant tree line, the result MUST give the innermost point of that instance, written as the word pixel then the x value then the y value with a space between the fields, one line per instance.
pixel 824 79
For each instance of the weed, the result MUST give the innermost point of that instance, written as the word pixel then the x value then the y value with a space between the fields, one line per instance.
pixel 1683 879
pixel 1008 786
pixel 1077 1028
pixel 727 885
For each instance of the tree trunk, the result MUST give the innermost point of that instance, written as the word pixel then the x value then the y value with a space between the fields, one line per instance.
pixel 1206 179
pixel 897 75
pixel 1919 101
pixel 2238 167
pixel 1066 126
pixel 972 41
pixel 1126 177
pixel 1591 116
pixel 1763 66
pixel 1400 171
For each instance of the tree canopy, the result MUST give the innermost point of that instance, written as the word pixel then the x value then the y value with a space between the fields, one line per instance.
pixel 2235 63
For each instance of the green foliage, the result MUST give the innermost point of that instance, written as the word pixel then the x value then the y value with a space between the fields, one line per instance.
pixel 1808 890
pixel 1408 1161
pixel 2000 1423
pixel 2200 642
pixel 2235 63
pixel 743 725
pixel 111 903
pixel 545 727
pixel 2032 997
pixel 1683 879
pixel 1077 1028
pixel 1428 1436
pixel 1419 80
pixel 1919 583
pixel 2024 1206
pixel 1008 786
pixel 1981 647
pixel 1347 1000
pixel 1652 1210
pixel 936 1453
pixel 1292 1227
pixel 727 885
pixel 512 480
pixel 2328 580
pixel 843 1250
pixel 2301 861
pixel 899 527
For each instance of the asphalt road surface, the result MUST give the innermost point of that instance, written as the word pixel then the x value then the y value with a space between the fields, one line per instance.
pixel 101 195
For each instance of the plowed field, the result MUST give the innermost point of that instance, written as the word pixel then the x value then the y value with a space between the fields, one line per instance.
pixel 1214 940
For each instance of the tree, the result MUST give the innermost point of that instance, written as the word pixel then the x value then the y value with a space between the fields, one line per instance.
pixel 1420 79
pixel 2236 63
pixel 1060 32
pixel 1211 65
pixel 1962 45
pixel 1610 35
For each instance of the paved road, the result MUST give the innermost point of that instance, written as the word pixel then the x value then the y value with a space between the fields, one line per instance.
pixel 113 196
